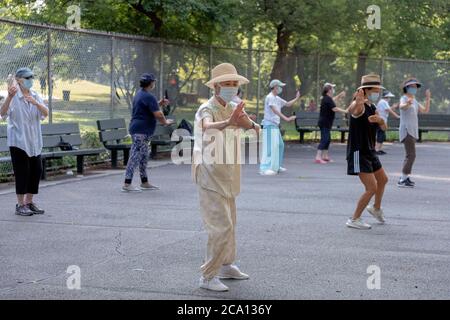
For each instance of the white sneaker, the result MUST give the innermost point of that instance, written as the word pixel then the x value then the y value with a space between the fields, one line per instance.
pixel 130 188
pixel 376 213
pixel 232 272
pixel 282 169
pixel 358 224
pixel 268 173
pixel 213 284
pixel 147 187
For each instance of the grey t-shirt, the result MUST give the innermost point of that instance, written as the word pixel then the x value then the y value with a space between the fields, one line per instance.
pixel 409 120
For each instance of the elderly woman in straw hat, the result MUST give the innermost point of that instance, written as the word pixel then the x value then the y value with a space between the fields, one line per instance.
pixel 361 156
pixel 409 126
pixel 219 182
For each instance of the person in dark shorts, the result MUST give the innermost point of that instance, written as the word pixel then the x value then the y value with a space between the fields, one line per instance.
pixel 361 155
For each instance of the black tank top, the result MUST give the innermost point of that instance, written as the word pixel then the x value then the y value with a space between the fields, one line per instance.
pixel 362 133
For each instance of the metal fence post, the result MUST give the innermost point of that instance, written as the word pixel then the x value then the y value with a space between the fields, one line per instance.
pixel 318 79
pixel 258 94
pixel 111 111
pixel 49 75
pixel 382 70
pixel 161 71
pixel 210 62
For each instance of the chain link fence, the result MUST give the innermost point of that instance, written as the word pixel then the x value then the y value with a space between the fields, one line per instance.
pixel 86 76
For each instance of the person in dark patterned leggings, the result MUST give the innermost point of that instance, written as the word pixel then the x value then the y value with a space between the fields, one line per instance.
pixel 146 110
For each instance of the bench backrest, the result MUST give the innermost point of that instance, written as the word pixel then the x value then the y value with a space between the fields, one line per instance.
pixel 306 119
pixel 52 135
pixel 393 122
pixel 434 120
pixel 3 142
pixel 310 119
pixel 425 121
pixel 55 133
pixel 163 132
pixel 112 131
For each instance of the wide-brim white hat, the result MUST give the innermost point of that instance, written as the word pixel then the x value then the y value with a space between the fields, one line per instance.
pixel 225 72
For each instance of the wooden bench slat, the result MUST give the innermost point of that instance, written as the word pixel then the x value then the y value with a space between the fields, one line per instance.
pixel 4 145
pixel 110 135
pixel 54 141
pixel 3 130
pixel 111 124
pixel 60 129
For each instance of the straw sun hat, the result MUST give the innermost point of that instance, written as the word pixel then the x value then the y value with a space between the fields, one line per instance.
pixel 371 81
pixel 225 72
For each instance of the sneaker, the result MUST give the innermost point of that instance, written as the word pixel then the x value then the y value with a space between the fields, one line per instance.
pixel 148 186
pixel 23 211
pixel 268 173
pixel 282 169
pixel 358 224
pixel 410 181
pixel 320 161
pixel 213 284
pixel 328 160
pixel 130 188
pixel 405 183
pixel 232 272
pixel 36 210
pixel 380 153
pixel 376 213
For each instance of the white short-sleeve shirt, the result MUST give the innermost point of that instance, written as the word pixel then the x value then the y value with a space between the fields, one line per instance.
pixel 383 109
pixel 409 120
pixel 270 118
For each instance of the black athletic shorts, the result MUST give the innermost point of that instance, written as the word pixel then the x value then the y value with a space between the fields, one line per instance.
pixel 365 163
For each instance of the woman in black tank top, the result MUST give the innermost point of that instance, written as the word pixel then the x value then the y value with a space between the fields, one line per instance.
pixel 361 157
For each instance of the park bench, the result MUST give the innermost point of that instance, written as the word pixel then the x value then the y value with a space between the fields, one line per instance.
pixel 112 133
pixel 307 122
pixel 427 123
pixel 433 123
pixel 4 145
pixel 53 135
pixel 162 137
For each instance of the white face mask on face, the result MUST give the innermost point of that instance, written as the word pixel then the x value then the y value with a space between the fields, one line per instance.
pixel 228 93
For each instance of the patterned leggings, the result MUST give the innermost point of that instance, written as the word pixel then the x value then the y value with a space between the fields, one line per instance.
pixel 138 158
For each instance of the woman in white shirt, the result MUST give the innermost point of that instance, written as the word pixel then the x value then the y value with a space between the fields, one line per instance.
pixel 409 126
pixel 384 110
pixel 273 145
pixel 25 109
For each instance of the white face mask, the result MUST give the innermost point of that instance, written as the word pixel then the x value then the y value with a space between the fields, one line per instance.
pixel 228 93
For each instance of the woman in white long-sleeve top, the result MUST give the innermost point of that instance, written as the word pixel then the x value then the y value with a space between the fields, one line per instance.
pixel 24 109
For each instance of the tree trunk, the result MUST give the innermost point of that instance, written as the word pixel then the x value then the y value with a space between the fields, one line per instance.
pixel 361 67
pixel 284 65
pixel 250 52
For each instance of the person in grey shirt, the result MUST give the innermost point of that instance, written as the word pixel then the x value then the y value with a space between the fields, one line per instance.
pixel 409 126
pixel 24 109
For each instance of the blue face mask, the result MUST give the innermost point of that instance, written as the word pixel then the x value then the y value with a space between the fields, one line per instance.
pixel 28 83
pixel 279 90
pixel 411 90
pixel 373 97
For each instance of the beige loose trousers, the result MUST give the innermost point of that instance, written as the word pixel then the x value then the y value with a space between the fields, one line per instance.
pixel 218 185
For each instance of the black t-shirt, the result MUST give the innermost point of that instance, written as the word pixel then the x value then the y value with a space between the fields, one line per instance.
pixel 326 117
pixel 362 133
